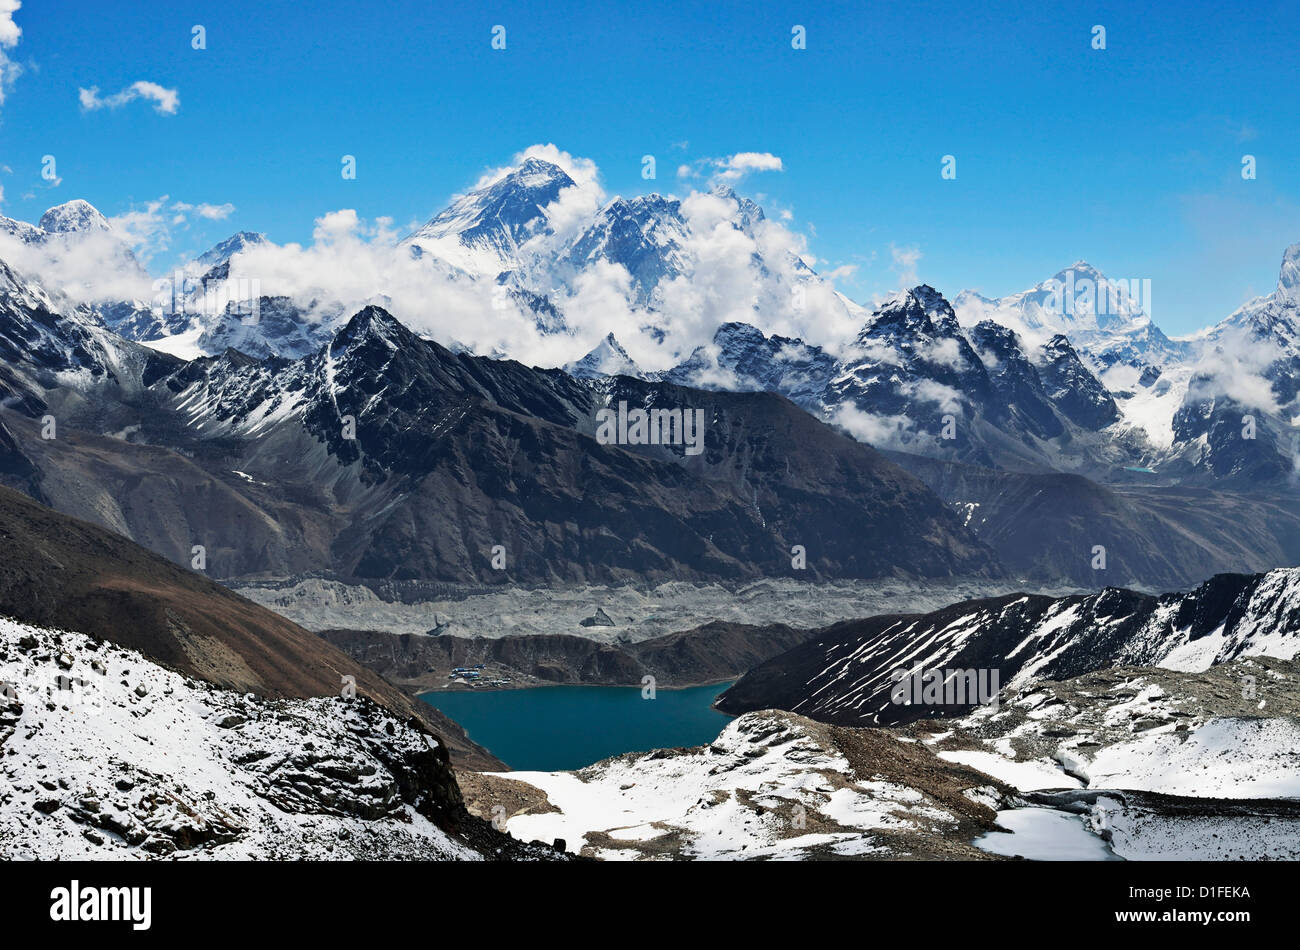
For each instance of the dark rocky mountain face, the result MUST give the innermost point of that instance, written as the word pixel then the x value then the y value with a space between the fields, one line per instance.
pixel 743 357
pixel 383 455
pixel 845 673
pixel 1015 380
pixel 915 363
pixel 485 453
pixel 1237 421
pixel 1044 527
pixel 43 333
pixel 916 380
pixel 1073 389
pixel 805 484
pixel 404 391
pixel 1235 441
pixel 447 456
pixel 1247 434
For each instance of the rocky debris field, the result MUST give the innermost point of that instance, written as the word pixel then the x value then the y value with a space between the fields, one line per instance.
pixel 638 612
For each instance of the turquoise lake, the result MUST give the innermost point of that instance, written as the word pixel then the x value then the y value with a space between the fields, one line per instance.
pixel 550 728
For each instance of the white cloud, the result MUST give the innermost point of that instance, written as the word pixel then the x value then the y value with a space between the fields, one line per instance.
pixel 149 228
pixel 351 261
pixel 945 351
pixel 166 101
pixel 1235 369
pixel 882 431
pixel 88 266
pixel 92 266
pixel 905 261
pixel 582 170
pixel 927 390
pixel 737 166
pixel 732 168
pixel 574 207
pixel 146 229
pixel 10 33
pixel 203 210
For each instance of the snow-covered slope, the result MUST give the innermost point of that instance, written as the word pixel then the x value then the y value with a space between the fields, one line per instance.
pixel 47 339
pixel 608 358
pixel 1154 763
pixel 772 786
pixel 1104 318
pixel 107 755
pixel 482 232
pixel 1131 762
pixel 844 674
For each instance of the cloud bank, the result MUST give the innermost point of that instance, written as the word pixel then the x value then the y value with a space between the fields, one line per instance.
pixel 165 101
pixel 10 34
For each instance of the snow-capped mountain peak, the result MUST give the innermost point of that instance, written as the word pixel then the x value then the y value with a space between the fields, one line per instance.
pixel 608 358
pixel 225 250
pixel 645 234
pixel 1288 280
pixel 75 215
pixel 1108 320
pixel 1274 318
pixel 481 232
pixel 371 324
pixel 922 310
pixel 750 213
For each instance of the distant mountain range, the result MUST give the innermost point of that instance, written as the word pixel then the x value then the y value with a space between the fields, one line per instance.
pixel 383 455
pixel 294 434
pixel 1070 375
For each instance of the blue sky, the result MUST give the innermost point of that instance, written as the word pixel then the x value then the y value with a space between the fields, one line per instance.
pixel 1128 157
